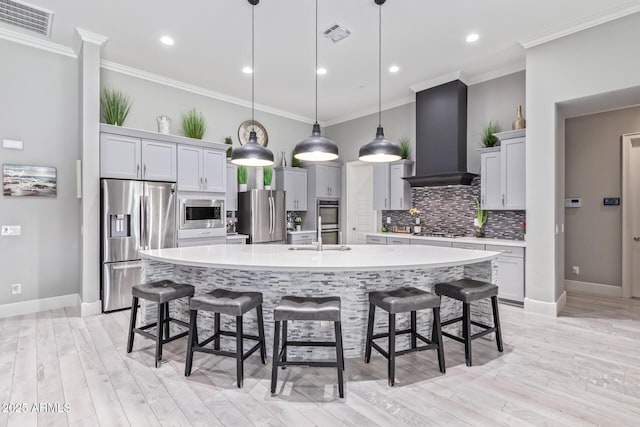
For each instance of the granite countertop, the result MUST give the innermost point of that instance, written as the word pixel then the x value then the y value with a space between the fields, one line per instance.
pixel 237 236
pixel 480 240
pixel 281 258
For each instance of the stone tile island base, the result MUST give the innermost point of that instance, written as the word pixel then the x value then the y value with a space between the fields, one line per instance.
pixel 352 287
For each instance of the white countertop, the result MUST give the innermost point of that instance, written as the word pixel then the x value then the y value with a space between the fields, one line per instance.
pixel 480 240
pixel 237 236
pixel 280 258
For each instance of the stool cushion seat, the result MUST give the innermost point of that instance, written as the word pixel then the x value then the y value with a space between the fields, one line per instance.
pixel 403 300
pixel 308 308
pixel 162 291
pixel 226 302
pixel 467 290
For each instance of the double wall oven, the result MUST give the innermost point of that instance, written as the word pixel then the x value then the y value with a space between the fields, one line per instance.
pixel 201 221
pixel 329 211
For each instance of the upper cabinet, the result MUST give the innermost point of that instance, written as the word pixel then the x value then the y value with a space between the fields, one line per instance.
pixel 503 173
pixel 126 157
pixel 390 191
pixel 325 180
pixel 201 169
pixel 232 188
pixel 294 182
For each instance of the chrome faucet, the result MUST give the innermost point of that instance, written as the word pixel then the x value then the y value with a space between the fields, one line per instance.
pixel 319 243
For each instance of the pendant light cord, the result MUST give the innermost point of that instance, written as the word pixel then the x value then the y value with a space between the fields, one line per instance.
pixel 380 65
pixel 253 65
pixel 316 61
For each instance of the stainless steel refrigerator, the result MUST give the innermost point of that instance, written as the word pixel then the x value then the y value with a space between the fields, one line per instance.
pixel 261 215
pixel 136 215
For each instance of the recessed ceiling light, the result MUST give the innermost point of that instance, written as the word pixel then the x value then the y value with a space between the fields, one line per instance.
pixel 322 71
pixel 394 69
pixel 472 38
pixel 247 70
pixel 167 40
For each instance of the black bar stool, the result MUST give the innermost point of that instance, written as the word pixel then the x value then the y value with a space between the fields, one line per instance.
pixel 220 301
pixel 307 308
pixel 404 300
pixel 161 293
pixel 468 291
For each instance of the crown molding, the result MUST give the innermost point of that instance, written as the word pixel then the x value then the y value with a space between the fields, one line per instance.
pixel 441 79
pixel 38 43
pixel 592 21
pixel 474 79
pixel 373 110
pixel 91 37
pixel 177 84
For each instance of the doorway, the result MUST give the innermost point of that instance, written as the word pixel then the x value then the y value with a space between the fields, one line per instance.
pixel 631 215
pixel 361 217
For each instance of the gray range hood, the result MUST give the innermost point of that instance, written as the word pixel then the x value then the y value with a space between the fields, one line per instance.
pixel 441 137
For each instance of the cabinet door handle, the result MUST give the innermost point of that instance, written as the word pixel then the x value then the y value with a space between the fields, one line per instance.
pixel 144 171
pixel 385 202
pixel 637 238
pixel 200 182
pixel 137 169
pixel 401 205
pixel 503 200
pixel 206 182
pixel 482 201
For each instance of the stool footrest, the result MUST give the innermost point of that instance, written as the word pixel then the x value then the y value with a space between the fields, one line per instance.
pixel 310 344
pixel 226 353
pixel 142 330
pixel 228 334
pixel 386 334
pixel 309 363
pixel 453 337
pixel 451 321
pixel 430 345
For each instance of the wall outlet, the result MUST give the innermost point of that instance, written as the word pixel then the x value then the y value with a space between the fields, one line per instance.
pixel 16 289
pixel 575 270
pixel 11 230
pixel 388 220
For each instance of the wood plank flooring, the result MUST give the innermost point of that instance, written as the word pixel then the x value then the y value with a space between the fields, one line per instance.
pixel 582 368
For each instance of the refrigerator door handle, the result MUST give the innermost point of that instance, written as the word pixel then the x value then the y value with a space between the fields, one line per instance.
pixel 142 222
pixel 127 266
pixel 270 215
pixel 145 206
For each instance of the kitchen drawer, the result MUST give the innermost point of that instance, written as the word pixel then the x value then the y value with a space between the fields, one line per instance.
pixel 431 243
pixel 376 240
pixel 236 241
pixel 202 233
pixel 475 246
pixel 202 242
pixel 511 251
pixel 398 241
pixel 301 239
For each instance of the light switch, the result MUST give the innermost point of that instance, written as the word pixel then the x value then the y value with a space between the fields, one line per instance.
pixel 11 230
pixel 12 144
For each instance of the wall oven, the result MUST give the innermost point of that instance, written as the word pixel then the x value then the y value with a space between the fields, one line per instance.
pixel 201 213
pixel 329 210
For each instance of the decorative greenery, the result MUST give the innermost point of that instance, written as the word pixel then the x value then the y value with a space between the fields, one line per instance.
pixel 481 215
pixel 267 175
pixel 193 124
pixel 405 148
pixel 229 141
pixel 488 139
pixel 115 106
pixel 295 163
pixel 242 174
pixel 297 221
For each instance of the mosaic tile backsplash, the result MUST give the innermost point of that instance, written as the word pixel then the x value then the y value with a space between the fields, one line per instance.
pixel 452 209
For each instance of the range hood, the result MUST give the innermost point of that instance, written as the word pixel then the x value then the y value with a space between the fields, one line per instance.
pixel 441 137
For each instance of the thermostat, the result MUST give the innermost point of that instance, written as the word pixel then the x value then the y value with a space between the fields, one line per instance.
pixel 611 201
pixel 573 202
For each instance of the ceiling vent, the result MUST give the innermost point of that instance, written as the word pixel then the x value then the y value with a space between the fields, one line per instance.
pixel 335 33
pixel 26 16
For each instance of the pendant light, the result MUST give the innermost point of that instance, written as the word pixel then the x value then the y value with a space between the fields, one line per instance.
pixel 252 153
pixel 316 148
pixel 380 149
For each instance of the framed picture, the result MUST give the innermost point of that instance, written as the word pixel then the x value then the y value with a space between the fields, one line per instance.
pixel 20 180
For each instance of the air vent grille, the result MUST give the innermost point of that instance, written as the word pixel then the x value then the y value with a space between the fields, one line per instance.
pixel 26 16
pixel 336 32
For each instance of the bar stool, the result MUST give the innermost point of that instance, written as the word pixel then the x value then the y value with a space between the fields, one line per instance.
pixel 220 301
pixel 404 300
pixel 307 308
pixel 161 293
pixel 468 291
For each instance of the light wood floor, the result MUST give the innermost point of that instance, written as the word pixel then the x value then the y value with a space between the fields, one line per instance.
pixel 582 368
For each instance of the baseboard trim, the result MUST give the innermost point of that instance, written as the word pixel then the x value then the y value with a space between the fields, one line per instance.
pixel 574 287
pixel 546 308
pixel 38 305
pixel 90 308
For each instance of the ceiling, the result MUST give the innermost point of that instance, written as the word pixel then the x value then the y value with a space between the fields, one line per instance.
pixel 213 43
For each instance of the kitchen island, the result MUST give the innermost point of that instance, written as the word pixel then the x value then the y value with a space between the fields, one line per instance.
pixel 278 270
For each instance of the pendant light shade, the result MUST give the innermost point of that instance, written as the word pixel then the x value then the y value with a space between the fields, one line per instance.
pixel 316 148
pixel 380 149
pixel 252 153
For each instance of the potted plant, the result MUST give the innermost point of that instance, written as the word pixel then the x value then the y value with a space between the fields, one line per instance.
pixel 405 148
pixel 242 178
pixel 267 176
pixel 229 141
pixel 115 106
pixel 193 124
pixel 295 163
pixel 488 137
pixel 480 220
pixel 415 212
pixel 298 223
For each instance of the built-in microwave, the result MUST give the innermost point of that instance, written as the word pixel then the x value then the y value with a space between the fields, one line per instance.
pixel 201 213
pixel 329 210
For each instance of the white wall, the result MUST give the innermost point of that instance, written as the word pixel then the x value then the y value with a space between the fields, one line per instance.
pixel 595 61
pixel 39 104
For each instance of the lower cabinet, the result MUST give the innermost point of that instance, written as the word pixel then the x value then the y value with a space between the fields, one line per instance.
pixel 376 240
pixel 301 238
pixel 185 243
pixel 236 241
pixel 423 242
pixel 398 241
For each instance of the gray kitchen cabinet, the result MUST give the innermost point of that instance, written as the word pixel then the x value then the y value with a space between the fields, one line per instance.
pixel 126 157
pixel 236 241
pixel 201 169
pixel 491 181
pixel 398 240
pixel 510 277
pixel 303 238
pixel 473 246
pixel 325 180
pixel 294 182
pixel 232 188
pixel 376 240
pixel 381 183
pixel 426 242
pixel 513 173
pixel 390 191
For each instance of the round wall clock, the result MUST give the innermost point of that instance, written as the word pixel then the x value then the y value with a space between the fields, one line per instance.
pixel 247 126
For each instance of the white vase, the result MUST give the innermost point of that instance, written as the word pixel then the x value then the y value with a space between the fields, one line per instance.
pixel 242 188
pixel 298 227
pixel 267 187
